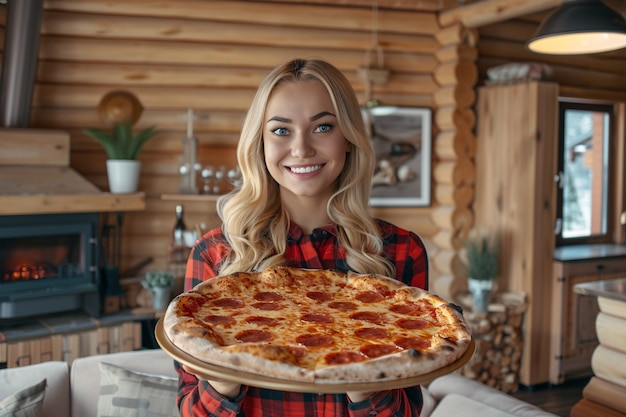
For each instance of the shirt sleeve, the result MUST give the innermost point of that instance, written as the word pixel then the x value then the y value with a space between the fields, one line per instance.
pixel 392 403
pixel 206 258
pixel 198 398
pixel 408 254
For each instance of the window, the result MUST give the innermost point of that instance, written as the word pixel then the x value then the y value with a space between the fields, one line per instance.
pixel 585 158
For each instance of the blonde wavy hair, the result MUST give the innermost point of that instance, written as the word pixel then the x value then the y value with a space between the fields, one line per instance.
pixel 254 221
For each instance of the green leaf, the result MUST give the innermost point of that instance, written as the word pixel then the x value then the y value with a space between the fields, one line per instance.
pixel 120 143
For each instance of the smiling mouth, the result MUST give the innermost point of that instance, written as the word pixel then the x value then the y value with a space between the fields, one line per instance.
pixel 305 170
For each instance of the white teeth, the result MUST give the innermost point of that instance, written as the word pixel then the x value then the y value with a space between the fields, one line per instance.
pixel 305 170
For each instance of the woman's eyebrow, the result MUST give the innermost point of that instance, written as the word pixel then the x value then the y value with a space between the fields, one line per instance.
pixel 320 115
pixel 279 119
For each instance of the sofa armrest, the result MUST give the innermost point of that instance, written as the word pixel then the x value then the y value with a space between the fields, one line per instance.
pixel 56 400
pixel 458 384
pixel 85 375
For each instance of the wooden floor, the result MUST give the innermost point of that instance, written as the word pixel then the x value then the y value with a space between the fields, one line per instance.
pixel 557 399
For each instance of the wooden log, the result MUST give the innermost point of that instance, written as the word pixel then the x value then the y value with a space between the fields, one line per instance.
pixel 162 52
pixel 491 11
pixel 456 95
pixel 464 195
pixel 205 99
pixel 453 218
pixel 448 194
pixel 205 31
pixel 50 72
pixel 461 72
pixel 444 194
pixel 343 18
pixel 446 240
pixel 443 172
pixel 451 144
pixel 34 147
pixel 457 52
pixel 457 34
pixel 449 262
pixel 453 118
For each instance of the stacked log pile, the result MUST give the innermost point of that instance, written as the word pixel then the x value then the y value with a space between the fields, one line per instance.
pixel 499 342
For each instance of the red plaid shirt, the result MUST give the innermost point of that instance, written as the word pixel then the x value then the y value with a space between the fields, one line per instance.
pixel 319 250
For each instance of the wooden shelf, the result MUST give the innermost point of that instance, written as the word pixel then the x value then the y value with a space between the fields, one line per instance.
pixel 71 203
pixel 200 198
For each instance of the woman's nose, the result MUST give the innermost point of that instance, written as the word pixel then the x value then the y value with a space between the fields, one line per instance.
pixel 301 146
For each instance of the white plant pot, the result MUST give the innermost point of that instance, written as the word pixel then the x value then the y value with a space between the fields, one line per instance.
pixel 481 293
pixel 123 175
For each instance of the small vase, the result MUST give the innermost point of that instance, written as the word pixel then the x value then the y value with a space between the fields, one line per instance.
pixel 481 293
pixel 123 175
pixel 160 297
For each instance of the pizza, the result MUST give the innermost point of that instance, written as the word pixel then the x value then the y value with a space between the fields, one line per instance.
pixel 316 326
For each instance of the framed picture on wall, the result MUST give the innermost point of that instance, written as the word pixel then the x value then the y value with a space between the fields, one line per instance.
pixel 402 141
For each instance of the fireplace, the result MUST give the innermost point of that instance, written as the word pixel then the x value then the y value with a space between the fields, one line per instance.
pixel 49 264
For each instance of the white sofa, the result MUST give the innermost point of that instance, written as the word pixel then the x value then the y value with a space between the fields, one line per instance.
pixel 76 391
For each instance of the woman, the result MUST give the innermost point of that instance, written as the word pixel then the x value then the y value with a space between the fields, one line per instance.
pixel 307 167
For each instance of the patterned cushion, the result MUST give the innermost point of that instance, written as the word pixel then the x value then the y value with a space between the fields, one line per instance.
pixel 130 394
pixel 27 402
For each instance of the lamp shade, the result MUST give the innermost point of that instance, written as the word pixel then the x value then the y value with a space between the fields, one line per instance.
pixel 580 27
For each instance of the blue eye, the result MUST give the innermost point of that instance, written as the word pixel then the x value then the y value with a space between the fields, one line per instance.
pixel 324 128
pixel 281 131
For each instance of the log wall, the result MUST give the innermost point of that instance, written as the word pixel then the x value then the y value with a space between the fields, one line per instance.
pixel 210 56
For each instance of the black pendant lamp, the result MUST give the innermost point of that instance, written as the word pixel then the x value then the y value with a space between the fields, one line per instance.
pixel 580 27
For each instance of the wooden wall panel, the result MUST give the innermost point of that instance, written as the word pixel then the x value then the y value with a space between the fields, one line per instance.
pixel 209 56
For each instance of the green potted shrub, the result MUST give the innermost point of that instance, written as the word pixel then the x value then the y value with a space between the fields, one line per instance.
pixel 482 252
pixel 160 284
pixel 121 110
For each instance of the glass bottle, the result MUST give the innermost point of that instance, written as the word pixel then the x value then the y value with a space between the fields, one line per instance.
pixel 179 227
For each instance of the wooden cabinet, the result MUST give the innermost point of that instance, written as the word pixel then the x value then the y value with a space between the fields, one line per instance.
pixel 515 196
pixel 574 315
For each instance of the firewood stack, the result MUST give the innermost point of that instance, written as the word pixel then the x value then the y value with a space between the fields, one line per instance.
pixel 499 343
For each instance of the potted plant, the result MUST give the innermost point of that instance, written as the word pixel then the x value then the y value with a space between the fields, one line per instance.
pixel 482 251
pixel 159 283
pixel 121 110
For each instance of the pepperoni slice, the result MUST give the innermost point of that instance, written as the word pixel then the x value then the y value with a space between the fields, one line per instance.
pixel 412 324
pixel 403 308
pixel 315 340
pixel 342 305
pixel 228 303
pixel 369 297
pixel 218 319
pixel 253 336
pixel 268 296
pixel 317 318
pixel 375 351
pixel 412 343
pixel 319 295
pixel 371 333
pixel 267 306
pixel 368 316
pixel 343 357
pixel 262 321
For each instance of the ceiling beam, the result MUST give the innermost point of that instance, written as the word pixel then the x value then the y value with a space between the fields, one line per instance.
pixel 493 11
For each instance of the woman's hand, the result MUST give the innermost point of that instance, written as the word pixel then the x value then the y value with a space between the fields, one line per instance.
pixel 226 388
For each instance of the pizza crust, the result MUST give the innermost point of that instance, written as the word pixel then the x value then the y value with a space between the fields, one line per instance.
pixel 190 324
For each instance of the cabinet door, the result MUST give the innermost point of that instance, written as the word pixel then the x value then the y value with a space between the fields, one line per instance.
pixel 515 195
pixel 573 331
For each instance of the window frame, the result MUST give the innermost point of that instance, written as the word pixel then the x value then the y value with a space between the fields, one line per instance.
pixel 611 109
